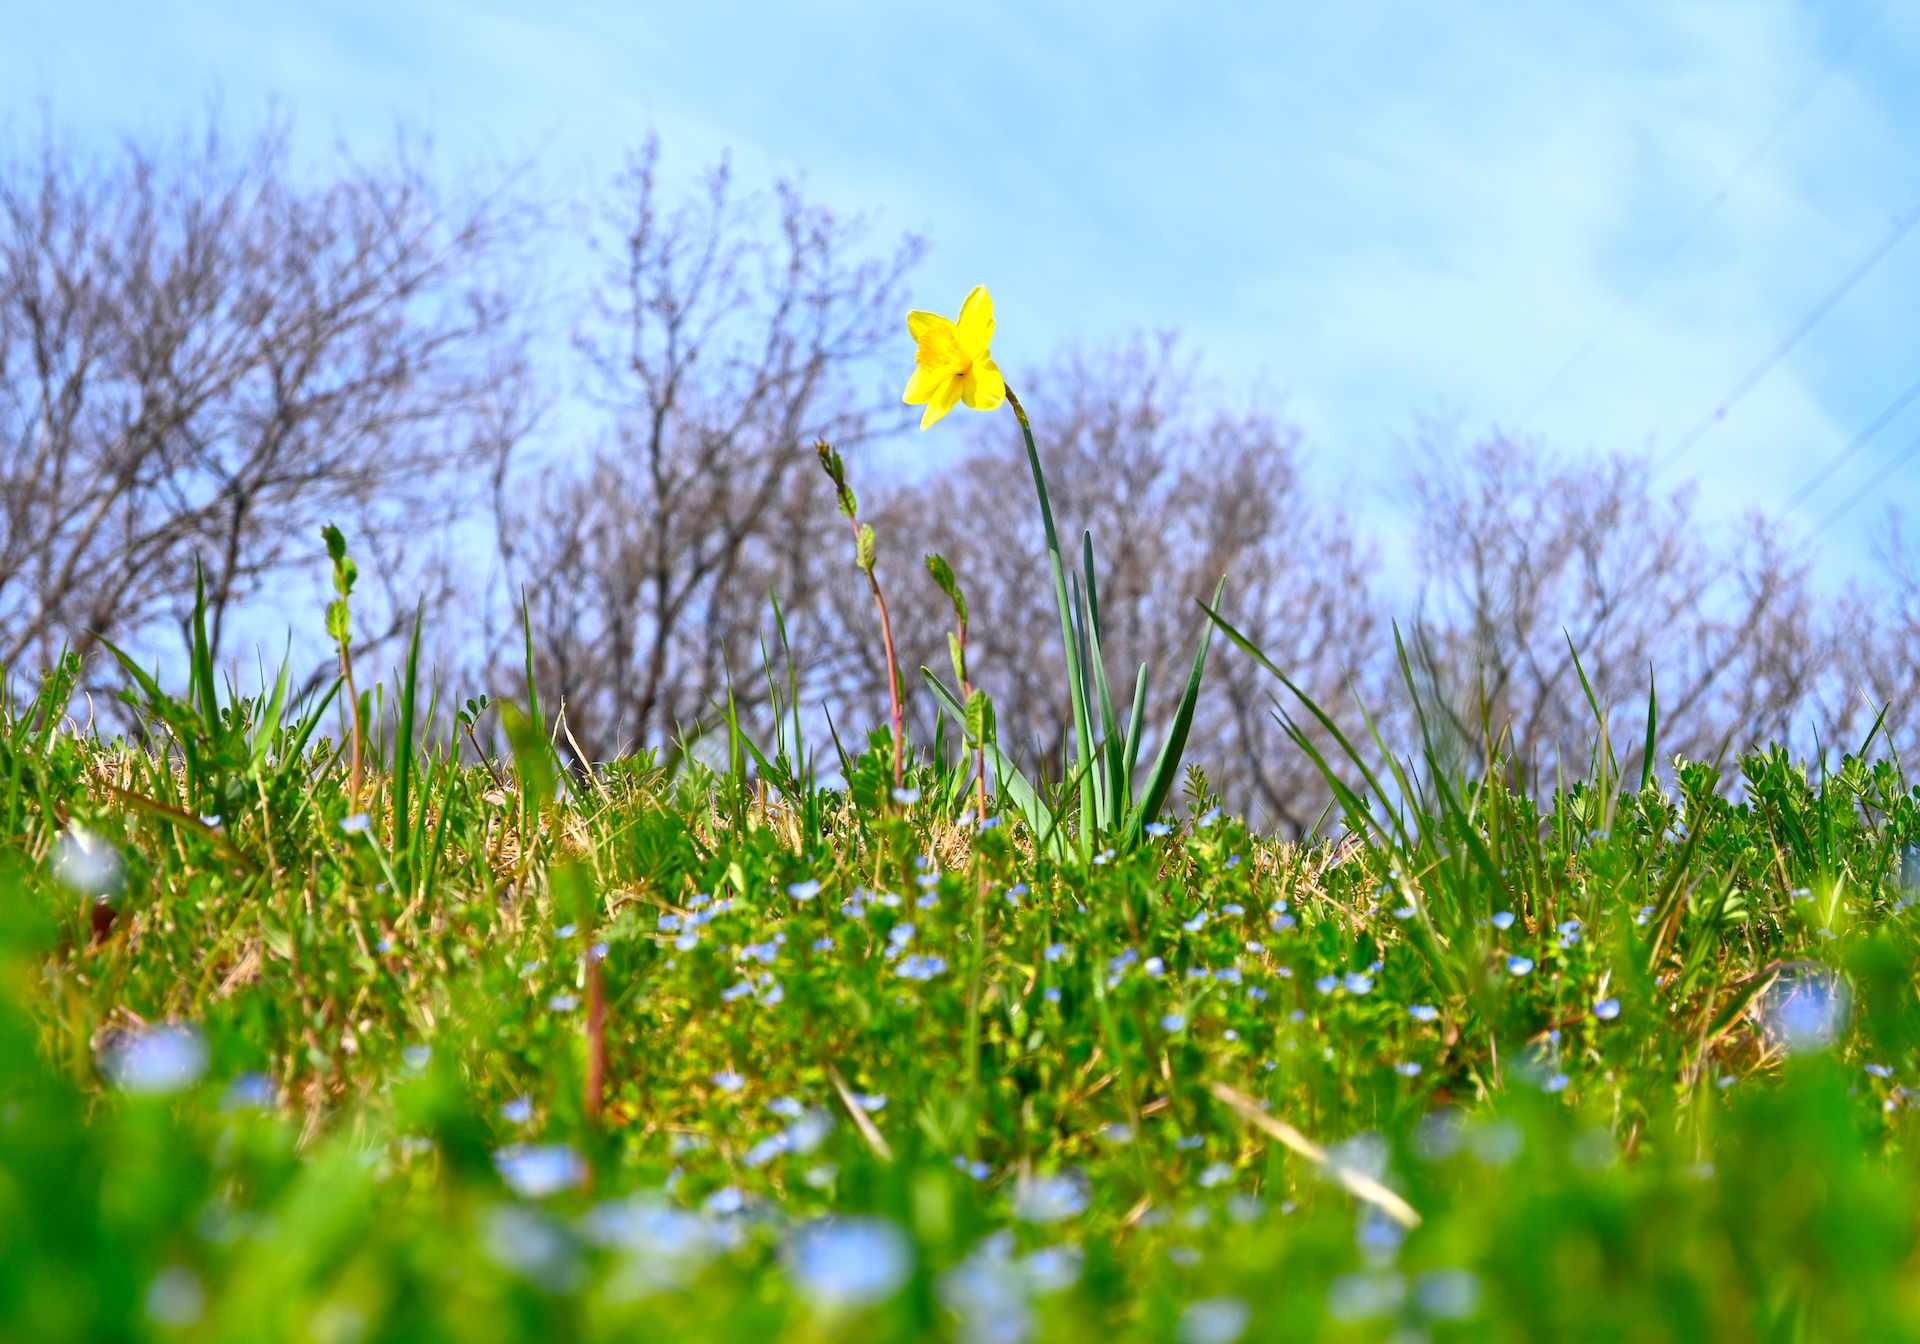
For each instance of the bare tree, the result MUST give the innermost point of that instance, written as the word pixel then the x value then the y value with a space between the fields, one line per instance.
pixel 721 348
pixel 204 356
pixel 1528 560
pixel 1877 649
pixel 1177 493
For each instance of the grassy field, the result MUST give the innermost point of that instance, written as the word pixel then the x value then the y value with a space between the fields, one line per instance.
pixel 488 1052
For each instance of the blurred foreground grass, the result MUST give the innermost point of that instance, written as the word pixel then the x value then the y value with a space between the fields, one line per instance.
pixel 491 1053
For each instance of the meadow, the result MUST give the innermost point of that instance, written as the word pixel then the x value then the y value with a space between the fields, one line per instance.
pixel 361 1016
pixel 485 1051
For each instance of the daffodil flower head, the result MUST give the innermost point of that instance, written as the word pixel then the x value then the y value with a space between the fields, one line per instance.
pixel 953 360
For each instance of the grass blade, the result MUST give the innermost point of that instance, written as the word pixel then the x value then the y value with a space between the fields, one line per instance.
pixel 1167 764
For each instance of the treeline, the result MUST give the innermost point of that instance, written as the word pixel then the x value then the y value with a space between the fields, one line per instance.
pixel 207 352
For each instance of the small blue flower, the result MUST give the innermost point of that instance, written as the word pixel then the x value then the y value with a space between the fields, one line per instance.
pixel 727 1080
pixel 921 968
pixel 1607 1009
pixel 565 931
pixel 1503 920
pixel 1422 1012
pixel 1357 983
pixel 517 1112
pixel 1407 1070
pixel 823 943
pixel 1058 952
pixel 1195 924
pixel 1051 994
pixel 1173 1022
pixel 907 796
pixel 1186 1143
pixel 1557 1083
pixel 1158 828
pixel 1154 967
pixel 1405 912
pixel 1326 984
pixel 1233 861
pixel 804 891
pixel 356 824
pixel 1257 994
pixel 1519 965
pixel 1879 1070
pixel 1256 948
pixel 1207 819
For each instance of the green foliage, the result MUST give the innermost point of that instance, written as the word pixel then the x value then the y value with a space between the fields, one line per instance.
pixel 1643 1059
pixel 1105 762
pixel 345 573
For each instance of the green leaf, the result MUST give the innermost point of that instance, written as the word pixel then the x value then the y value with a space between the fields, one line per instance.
pixel 1653 722
pixel 268 727
pixel 403 754
pixel 1167 764
pixel 863 549
pixel 1082 724
pixel 979 717
pixel 1006 776
pixel 942 574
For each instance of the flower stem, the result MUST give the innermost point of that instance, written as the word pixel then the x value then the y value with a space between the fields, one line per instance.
pixel 1082 725
pixel 893 668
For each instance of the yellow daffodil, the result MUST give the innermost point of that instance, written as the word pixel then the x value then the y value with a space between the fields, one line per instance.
pixel 953 360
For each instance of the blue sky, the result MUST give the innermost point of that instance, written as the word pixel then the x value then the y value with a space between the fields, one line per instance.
pixel 1363 214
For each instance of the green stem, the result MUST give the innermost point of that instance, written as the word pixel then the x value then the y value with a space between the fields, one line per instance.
pixel 1082 727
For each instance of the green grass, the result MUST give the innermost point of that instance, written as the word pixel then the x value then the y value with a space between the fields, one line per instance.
pixel 394 992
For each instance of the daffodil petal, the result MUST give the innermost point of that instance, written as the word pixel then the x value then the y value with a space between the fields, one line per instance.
pixel 925 384
pixel 985 388
pixel 945 400
pixel 921 325
pixel 975 328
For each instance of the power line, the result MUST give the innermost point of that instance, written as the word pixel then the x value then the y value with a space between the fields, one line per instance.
pixel 1879 479
pixel 1839 459
pixel 1902 224
pixel 1699 220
